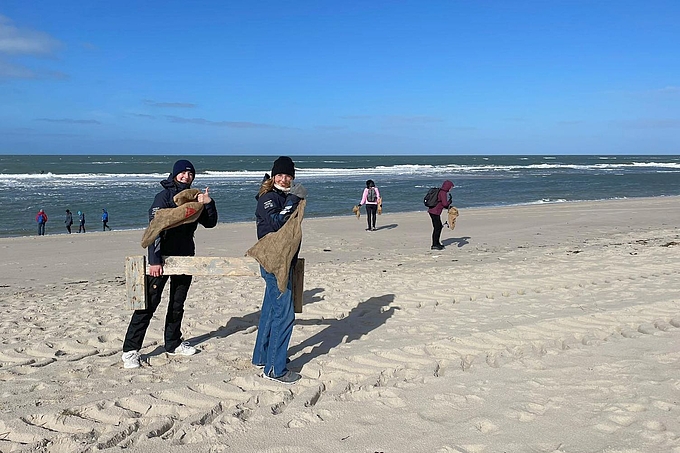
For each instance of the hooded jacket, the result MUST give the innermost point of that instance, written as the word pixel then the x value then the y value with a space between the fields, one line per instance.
pixel 178 241
pixel 443 198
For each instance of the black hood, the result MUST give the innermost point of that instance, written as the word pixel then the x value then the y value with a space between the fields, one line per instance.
pixel 172 184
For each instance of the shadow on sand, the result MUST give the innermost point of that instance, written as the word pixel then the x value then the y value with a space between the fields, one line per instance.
pixel 460 242
pixel 365 317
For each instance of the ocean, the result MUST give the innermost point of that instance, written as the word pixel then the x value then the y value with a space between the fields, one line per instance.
pixel 125 185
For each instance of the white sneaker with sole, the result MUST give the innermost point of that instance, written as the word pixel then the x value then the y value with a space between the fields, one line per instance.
pixel 183 349
pixel 131 359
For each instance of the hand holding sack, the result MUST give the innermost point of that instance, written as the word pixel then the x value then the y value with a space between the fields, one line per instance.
pixel 188 210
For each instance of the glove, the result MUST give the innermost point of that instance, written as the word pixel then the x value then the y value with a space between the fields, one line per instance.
pixel 299 191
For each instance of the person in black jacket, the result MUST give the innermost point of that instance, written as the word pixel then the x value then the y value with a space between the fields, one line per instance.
pixel 178 241
pixel 68 221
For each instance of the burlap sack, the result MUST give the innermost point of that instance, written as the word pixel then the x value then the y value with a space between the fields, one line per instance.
pixel 453 215
pixel 187 211
pixel 276 250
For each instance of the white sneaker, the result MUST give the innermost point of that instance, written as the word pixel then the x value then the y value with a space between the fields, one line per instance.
pixel 131 359
pixel 183 349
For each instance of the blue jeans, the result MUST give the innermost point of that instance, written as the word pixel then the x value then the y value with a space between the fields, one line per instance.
pixel 276 326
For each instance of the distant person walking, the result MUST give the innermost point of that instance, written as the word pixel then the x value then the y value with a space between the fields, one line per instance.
pixel 105 220
pixel 81 220
pixel 443 201
pixel 41 220
pixel 370 198
pixel 68 221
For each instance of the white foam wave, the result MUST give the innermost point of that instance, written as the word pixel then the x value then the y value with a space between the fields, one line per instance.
pixel 330 172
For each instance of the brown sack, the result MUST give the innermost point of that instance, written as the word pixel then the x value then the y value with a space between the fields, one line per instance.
pixel 453 215
pixel 167 218
pixel 186 196
pixel 357 211
pixel 276 250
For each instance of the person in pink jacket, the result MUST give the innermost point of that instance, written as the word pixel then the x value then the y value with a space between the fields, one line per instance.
pixel 370 198
pixel 435 213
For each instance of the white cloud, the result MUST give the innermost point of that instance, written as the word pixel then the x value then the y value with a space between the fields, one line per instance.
pixel 24 41
pixel 12 71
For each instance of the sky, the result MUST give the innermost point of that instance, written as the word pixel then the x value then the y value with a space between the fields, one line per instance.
pixel 339 77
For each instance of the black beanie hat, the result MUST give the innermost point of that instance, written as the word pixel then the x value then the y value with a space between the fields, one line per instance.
pixel 283 165
pixel 180 166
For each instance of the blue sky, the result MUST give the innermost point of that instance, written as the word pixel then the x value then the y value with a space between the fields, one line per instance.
pixel 344 77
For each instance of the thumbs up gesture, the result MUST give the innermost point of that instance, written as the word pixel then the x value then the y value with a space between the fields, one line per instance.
pixel 205 196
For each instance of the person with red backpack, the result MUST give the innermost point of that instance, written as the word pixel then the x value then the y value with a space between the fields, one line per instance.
pixel 41 219
pixel 443 201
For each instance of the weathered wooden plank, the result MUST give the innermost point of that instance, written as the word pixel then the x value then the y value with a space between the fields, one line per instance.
pixel 210 265
pixel 135 282
pixel 136 272
pixel 298 284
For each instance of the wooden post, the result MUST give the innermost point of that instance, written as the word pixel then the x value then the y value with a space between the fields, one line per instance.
pixel 298 284
pixel 135 282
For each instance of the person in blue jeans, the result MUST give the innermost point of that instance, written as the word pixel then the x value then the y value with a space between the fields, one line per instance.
pixel 41 219
pixel 277 199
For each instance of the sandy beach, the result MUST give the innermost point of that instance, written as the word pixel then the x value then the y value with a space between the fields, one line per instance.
pixel 542 328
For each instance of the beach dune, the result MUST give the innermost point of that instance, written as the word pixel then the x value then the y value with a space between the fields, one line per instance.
pixel 541 328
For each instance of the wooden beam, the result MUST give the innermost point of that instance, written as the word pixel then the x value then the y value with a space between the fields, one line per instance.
pixel 209 265
pixel 135 282
pixel 136 270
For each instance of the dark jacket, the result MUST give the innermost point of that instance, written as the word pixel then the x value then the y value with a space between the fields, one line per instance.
pixel 443 197
pixel 69 219
pixel 178 241
pixel 274 208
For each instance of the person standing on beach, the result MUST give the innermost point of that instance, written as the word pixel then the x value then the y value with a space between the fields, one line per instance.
pixel 177 241
pixel 277 199
pixel 444 201
pixel 68 221
pixel 81 222
pixel 105 220
pixel 41 220
pixel 370 198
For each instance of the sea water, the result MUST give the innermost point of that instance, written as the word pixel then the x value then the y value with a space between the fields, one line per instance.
pixel 125 185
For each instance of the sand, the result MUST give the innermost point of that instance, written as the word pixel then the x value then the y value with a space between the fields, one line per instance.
pixel 546 328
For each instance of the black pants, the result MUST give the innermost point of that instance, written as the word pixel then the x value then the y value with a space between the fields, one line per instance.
pixel 68 228
pixel 179 288
pixel 371 211
pixel 436 228
pixel 105 225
